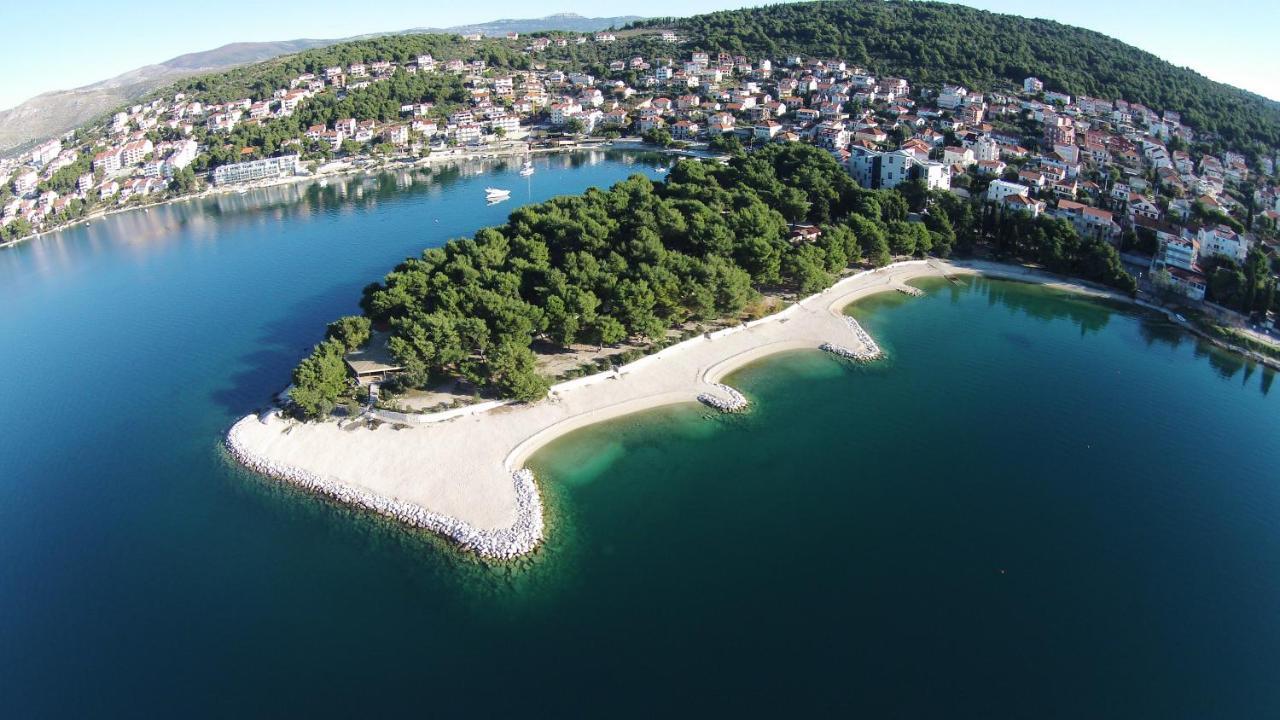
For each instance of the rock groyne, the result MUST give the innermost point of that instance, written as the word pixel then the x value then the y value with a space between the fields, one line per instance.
pixel 505 543
pixel 870 351
pixel 735 402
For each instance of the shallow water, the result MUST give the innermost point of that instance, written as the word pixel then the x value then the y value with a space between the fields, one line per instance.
pixel 1035 506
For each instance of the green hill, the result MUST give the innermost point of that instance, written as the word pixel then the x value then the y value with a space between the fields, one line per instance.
pixel 935 43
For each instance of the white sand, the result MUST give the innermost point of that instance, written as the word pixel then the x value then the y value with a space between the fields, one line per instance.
pixel 463 468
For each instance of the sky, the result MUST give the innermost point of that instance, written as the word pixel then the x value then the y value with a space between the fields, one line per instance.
pixel 62 44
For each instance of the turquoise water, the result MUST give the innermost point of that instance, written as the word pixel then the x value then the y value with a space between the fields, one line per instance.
pixel 1036 506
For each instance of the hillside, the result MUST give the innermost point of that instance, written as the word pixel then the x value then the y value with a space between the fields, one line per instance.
pixel 57 112
pixel 935 43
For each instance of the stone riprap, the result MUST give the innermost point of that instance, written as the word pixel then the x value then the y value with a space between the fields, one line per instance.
pixel 504 543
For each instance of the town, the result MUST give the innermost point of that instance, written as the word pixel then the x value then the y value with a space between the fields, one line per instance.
pixel 1188 221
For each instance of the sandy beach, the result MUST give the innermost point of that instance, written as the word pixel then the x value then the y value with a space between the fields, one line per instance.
pixel 468 468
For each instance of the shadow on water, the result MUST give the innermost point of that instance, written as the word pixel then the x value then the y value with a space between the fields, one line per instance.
pixel 279 345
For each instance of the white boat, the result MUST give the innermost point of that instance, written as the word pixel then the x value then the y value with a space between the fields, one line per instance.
pixel 496 194
pixel 527 169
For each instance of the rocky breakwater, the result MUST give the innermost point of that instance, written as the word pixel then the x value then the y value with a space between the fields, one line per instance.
pixel 504 543
pixel 870 350
pixel 735 402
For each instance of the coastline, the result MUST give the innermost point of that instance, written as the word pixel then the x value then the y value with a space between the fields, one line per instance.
pixel 462 475
pixel 389 165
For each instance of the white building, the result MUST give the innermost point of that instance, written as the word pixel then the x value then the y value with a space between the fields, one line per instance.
pixel 45 152
pixel 133 153
pixel 1222 241
pixel 24 182
pixel 256 170
pixel 561 112
pixel 872 169
pixel 961 156
pixel 998 190
pixel 952 96
pixel 1032 85
pixel 986 148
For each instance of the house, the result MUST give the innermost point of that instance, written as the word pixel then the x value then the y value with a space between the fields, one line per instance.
pixel 508 124
pixel 971 113
pixel 961 156
pixel 1176 251
pixel 466 133
pixel 1141 206
pixel 562 112
pixel 1066 188
pixel 991 168
pixel 721 123
pixel 25 182
pixel 133 153
pixel 1033 178
pixel 986 148
pixel 998 190
pixel 767 129
pixel 107 161
pixel 1089 221
pixel 1022 204
pixel 1032 85
pixel 873 169
pixel 952 96
pixel 1058 130
pixel 1182 281
pixel 804 234
pixel 1222 241
pixel 616 117
pixel 685 130
pixel 873 135
pixel 397 135
pixel 807 115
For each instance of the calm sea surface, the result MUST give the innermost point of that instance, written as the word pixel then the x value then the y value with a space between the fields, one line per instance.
pixel 1037 506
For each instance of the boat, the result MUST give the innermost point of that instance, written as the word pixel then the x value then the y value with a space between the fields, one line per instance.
pixel 492 194
pixel 527 169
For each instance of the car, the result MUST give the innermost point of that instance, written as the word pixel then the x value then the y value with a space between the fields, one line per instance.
pixel 1179 317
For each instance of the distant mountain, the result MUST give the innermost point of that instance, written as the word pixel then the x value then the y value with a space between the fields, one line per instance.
pixel 569 22
pixel 57 112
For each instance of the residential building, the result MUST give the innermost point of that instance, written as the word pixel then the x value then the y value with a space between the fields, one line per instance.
pixel 998 190
pixel 1222 241
pixel 264 169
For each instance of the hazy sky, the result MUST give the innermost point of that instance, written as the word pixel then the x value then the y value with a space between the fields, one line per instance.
pixel 60 44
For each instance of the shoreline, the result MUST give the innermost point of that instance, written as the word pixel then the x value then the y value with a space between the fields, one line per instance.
pixel 463 475
pixel 391 165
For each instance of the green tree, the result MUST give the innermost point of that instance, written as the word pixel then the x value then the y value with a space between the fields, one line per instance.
pixel 513 370
pixel 352 331
pixel 319 380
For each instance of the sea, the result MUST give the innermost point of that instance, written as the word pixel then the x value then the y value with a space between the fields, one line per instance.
pixel 1037 505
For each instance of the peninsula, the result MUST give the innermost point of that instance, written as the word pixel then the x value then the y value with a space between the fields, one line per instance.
pixel 462 475
pixel 643 264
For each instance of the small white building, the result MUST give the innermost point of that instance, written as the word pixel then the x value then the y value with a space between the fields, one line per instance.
pixel 1222 241
pixel 998 190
